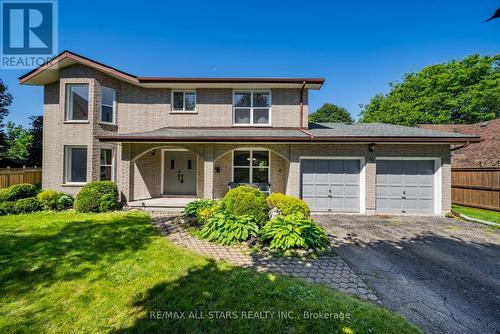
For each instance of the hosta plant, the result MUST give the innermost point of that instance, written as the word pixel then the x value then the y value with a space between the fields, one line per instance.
pixel 294 231
pixel 228 229
pixel 192 208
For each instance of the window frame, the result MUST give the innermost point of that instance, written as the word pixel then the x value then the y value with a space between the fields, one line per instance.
pixel 252 108
pixel 68 105
pixel 107 105
pixel 184 111
pixel 67 164
pixel 112 163
pixel 251 167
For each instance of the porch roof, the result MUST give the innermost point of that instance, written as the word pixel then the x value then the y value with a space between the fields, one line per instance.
pixel 317 132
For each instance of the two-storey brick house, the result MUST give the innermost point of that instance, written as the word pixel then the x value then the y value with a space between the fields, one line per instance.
pixel 164 136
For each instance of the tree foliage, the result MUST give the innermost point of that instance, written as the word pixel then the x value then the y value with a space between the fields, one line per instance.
pixel 5 102
pixel 35 151
pixel 18 142
pixel 457 92
pixel 330 113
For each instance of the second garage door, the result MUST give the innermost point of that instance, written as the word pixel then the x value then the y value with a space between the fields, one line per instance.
pixel 331 185
pixel 405 186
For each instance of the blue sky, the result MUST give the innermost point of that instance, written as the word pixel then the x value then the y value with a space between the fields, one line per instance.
pixel 358 46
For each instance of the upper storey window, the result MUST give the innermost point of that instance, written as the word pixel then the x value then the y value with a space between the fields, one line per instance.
pixel 252 108
pixel 184 101
pixel 107 105
pixel 77 102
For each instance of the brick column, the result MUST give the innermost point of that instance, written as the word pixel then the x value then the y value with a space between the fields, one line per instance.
pixel 208 171
pixel 370 184
pixel 293 180
pixel 125 173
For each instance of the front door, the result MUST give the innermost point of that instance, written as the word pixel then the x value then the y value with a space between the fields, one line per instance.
pixel 179 168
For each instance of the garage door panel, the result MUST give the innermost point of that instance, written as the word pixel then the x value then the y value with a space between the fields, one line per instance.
pixel 352 204
pixel 337 179
pixel 426 192
pixel 322 190
pixel 351 191
pixel 395 191
pixel 352 179
pixel 321 204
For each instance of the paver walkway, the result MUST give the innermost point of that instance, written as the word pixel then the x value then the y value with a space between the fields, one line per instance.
pixel 327 269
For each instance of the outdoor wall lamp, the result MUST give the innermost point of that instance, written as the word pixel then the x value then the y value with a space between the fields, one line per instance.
pixel 371 147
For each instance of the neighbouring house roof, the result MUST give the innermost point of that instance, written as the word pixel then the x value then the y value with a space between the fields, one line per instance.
pixel 49 73
pixel 483 154
pixel 317 132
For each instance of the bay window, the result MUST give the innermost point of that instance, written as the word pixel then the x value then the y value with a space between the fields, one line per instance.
pixel 251 108
pixel 250 166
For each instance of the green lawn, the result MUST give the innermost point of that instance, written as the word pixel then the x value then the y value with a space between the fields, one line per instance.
pixel 95 273
pixel 488 215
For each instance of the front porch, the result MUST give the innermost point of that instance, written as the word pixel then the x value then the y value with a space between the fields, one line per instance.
pixel 168 176
pixel 176 204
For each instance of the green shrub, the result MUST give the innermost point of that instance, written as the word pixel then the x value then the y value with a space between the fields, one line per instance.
pixel 97 196
pixel 27 205
pixel 66 201
pixel 192 208
pixel 50 199
pixel 294 231
pixel 287 204
pixel 18 191
pixel 7 208
pixel 246 200
pixel 228 229
pixel 108 203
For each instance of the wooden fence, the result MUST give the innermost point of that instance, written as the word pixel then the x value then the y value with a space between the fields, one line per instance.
pixel 476 187
pixel 10 176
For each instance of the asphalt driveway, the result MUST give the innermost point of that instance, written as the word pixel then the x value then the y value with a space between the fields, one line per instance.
pixel 442 274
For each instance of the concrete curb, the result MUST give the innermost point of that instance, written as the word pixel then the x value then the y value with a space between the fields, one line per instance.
pixel 485 222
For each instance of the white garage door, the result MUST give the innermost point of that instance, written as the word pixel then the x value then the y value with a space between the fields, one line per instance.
pixel 405 186
pixel 331 185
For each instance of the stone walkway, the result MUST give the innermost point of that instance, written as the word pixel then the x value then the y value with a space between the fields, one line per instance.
pixel 331 270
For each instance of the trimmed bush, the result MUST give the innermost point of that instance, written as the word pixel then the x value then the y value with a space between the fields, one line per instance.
pixel 228 229
pixel 97 196
pixel 7 208
pixel 287 204
pixel 245 200
pixel 27 205
pixel 18 191
pixel 50 199
pixel 23 205
pixel 294 231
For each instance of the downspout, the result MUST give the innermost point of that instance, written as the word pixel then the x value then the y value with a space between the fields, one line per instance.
pixel 459 147
pixel 301 126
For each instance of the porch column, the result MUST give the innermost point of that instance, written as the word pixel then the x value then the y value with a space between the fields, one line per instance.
pixel 208 172
pixel 125 172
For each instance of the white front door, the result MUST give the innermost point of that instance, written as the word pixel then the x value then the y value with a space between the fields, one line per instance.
pixel 179 173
